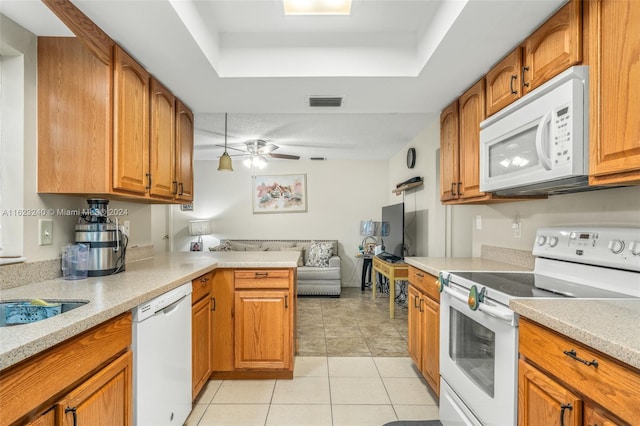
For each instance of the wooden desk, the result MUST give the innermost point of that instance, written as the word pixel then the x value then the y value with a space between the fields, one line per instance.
pixel 394 272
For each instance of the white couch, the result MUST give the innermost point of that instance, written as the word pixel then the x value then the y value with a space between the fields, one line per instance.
pixel 312 280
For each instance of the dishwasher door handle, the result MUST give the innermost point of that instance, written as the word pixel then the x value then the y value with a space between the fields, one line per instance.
pixel 172 307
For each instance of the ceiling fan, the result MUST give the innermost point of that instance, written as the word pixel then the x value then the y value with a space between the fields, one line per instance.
pixel 258 150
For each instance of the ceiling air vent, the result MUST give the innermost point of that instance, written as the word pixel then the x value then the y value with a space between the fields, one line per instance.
pixel 318 158
pixel 325 101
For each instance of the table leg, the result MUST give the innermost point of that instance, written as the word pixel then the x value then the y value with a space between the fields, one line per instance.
pixel 375 284
pixel 392 294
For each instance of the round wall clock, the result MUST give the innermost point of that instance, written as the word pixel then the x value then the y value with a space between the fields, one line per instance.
pixel 411 157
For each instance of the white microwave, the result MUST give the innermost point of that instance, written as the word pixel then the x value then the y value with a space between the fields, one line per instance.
pixel 539 144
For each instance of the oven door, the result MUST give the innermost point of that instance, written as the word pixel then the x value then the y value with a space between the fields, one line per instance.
pixel 478 359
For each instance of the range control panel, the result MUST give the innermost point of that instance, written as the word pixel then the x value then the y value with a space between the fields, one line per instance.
pixel 613 247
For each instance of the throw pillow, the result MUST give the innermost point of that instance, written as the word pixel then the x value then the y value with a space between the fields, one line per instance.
pixel 299 249
pixel 319 254
pixel 243 246
pixel 255 248
pixel 226 246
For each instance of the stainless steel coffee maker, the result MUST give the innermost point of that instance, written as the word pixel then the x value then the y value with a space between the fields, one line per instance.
pixel 107 244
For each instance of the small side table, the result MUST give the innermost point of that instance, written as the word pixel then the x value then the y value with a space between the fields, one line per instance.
pixel 394 272
pixel 367 264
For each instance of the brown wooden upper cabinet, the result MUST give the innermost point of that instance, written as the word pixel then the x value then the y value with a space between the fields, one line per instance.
pixel 449 156
pixel 105 126
pixel 614 78
pixel 552 48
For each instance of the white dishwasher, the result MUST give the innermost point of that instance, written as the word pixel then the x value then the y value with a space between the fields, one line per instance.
pixel 162 359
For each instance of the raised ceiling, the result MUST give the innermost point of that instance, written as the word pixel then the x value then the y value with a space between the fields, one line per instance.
pixel 397 63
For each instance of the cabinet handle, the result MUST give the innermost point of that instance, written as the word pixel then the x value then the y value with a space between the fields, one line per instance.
pixel 459 185
pixel 213 303
pixel 204 279
pixel 286 301
pixel 149 176
pixel 564 407
pixel 524 82
pixel 73 413
pixel 453 189
pixel 572 354
pixel 421 300
pixel 181 188
pixel 418 274
pixel 513 78
pixel 415 302
pixel 175 187
pixel 261 274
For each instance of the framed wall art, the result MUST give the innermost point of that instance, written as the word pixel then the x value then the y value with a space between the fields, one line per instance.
pixel 279 193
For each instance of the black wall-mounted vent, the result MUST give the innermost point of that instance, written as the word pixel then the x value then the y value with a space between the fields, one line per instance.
pixel 318 158
pixel 325 101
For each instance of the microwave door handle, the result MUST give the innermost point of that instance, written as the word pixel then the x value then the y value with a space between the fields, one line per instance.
pixel 543 140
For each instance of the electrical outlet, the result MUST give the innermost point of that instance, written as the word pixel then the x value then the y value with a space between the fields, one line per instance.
pixel 45 236
pixel 125 227
pixel 517 230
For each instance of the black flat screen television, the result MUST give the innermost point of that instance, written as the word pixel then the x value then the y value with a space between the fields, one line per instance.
pixel 393 232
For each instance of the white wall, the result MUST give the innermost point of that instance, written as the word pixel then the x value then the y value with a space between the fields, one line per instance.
pixel 340 195
pixel 63 225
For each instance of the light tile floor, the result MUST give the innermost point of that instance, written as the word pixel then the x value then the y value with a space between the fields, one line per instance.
pixel 352 369
pixel 325 391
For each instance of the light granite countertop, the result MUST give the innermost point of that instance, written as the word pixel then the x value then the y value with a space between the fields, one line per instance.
pixel 433 265
pixel 112 295
pixel 610 326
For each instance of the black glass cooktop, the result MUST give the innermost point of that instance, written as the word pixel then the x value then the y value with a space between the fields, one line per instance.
pixel 528 284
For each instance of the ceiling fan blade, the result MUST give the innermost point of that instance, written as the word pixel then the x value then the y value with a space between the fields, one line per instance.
pixel 285 156
pixel 268 148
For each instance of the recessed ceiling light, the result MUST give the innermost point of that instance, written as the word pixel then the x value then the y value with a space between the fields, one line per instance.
pixel 317 7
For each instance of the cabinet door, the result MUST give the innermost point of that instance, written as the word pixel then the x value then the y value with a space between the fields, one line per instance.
pixel 614 78
pixel 431 346
pixel 504 82
pixel 553 47
pixel 131 125
pixel 595 418
pixel 449 133
pixel 201 342
pixel 262 329
pixel 414 334
pixel 222 315
pixel 104 399
pixel 46 419
pixel 184 152
pixel 543 401
pixel 472 112
pixel 162 142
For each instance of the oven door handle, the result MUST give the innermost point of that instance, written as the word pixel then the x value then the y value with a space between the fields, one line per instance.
pixel 503 314
pixel 500 313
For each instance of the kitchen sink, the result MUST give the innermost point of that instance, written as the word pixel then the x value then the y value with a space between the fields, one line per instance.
pixel 28 313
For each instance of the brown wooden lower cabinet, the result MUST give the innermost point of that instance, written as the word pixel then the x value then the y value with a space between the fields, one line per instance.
pixel 201 337
pixel 556 388
pixel 424 325
pixel 89 376
pixel 253 323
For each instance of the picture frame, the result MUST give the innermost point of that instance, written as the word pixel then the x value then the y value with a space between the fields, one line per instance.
pixel 279 193
pixel 196 246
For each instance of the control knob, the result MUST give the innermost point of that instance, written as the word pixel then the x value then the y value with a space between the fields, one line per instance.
pixel 553 241
pixel 616 246
pixel 541 240
pixel 634 248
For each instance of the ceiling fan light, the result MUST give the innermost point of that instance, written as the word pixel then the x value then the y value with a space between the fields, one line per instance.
pixel 247 162
pixel 225 163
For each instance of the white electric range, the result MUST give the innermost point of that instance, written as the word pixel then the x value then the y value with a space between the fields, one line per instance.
pixel 479 333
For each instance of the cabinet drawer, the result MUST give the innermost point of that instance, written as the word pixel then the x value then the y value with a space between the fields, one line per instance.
pixel 262 278
pixel 380 266
pixel 424 281
pixel 201 287
pixel 611 384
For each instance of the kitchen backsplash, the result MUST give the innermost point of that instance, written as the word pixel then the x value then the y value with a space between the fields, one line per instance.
pixel 19 274
pixel 512 256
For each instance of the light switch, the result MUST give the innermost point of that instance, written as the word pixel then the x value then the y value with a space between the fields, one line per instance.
pixel 45 236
